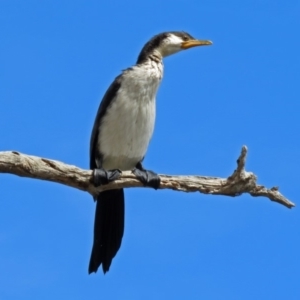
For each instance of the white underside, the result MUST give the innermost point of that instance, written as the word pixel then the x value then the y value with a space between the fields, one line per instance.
pixel 128 124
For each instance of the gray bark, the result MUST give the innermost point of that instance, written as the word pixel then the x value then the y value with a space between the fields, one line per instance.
pixel 238 183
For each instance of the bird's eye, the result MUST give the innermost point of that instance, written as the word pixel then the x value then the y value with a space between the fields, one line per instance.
pixel 185 38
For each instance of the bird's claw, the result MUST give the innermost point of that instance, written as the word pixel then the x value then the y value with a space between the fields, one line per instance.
pixel 102 176
pixel 148 178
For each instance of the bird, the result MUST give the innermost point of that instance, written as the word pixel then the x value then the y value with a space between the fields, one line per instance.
pixel 120 137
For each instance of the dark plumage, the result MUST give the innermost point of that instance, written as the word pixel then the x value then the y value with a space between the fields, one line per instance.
pixel 108 229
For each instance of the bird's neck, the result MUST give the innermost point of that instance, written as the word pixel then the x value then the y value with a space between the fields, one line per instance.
pixel 155 56
pixel 145 56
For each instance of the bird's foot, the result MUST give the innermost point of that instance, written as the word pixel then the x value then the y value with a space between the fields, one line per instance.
pixel 147 177
pixel 102 176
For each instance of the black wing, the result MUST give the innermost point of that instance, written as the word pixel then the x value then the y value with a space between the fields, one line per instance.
pixel 109 215
pixel 105 103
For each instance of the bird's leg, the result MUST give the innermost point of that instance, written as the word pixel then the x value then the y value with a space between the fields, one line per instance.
pixel 102 176
pixel 148 178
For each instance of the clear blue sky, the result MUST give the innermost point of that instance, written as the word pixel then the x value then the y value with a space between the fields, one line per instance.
pixel 57 59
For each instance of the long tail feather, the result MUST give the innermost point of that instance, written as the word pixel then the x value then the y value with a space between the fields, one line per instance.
pixel 108 229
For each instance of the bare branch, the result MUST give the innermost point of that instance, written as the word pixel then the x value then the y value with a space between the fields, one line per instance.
pixel 45 169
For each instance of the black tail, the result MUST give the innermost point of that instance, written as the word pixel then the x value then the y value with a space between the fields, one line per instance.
pixel 108 229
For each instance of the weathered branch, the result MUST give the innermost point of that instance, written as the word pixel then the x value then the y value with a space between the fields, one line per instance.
pixel 45 169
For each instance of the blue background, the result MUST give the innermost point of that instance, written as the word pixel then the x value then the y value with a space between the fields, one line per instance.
pixel 57 59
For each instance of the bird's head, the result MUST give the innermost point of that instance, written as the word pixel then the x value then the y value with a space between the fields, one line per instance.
pixel 168 43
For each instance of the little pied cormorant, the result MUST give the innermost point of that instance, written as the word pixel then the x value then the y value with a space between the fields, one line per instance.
pixel 122 130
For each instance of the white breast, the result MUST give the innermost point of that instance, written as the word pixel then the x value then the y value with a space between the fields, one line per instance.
pixel 128 124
